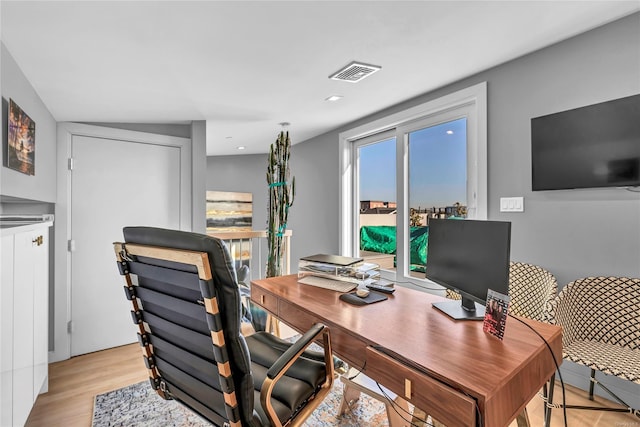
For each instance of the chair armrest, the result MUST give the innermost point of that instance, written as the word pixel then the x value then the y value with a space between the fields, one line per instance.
pixel 288 358
pixel 295 350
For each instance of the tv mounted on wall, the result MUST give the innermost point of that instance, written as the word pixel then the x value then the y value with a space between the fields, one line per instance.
pixel 588 147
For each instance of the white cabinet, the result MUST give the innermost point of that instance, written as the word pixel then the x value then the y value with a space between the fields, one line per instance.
pixel 24 302
pixel 6 330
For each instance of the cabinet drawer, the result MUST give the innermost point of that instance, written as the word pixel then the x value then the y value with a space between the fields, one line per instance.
pixel 437 399
pixel 268 301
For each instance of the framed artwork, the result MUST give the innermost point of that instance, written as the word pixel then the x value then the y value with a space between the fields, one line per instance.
pixel 229 211
pixel 21 151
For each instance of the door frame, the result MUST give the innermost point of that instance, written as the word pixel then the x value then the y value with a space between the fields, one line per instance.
pixel 62 230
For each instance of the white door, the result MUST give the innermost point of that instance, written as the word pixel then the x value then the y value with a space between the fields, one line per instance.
pixel 114 183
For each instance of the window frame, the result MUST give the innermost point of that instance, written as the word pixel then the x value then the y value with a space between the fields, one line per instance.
pixel 471 103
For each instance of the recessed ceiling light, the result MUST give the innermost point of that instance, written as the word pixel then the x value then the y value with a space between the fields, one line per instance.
pixel 242 147
pixel 333 98
pixel 449 132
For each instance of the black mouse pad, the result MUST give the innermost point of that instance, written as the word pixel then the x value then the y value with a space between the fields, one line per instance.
pixel 354 299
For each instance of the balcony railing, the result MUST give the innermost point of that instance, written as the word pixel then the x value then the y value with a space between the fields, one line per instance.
pixel 250 248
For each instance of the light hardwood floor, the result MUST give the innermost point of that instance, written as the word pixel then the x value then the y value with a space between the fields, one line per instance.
pixel 73 384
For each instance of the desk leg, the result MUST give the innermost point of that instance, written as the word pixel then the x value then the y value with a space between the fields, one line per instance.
pixel 349 396
pixel 273 326
pixel 523 418
pixel 548 401
pixel 398 412
pixel 421 419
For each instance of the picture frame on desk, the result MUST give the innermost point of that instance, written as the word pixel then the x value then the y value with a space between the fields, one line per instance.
pixel 495 318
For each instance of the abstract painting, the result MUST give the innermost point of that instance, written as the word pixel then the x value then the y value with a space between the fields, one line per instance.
pixel 21 150
pixel 229 211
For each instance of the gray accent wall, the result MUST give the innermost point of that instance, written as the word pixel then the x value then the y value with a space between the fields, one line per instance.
pixel 169 129
pixel 15 185
pixel 198 174
pixel 314 217
pixel 246 174
pixel 572 233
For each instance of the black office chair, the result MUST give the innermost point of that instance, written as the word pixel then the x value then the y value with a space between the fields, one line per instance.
pixel 187 307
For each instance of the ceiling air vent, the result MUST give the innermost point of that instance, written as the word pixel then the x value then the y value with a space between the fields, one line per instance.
pixel 354 72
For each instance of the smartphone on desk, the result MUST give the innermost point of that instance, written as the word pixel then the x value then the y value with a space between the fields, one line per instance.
pixel 382 285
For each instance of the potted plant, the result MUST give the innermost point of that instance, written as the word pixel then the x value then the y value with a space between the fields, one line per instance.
pixel 281 195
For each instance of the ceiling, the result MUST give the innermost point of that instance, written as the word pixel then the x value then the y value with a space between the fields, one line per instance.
pixel 245 67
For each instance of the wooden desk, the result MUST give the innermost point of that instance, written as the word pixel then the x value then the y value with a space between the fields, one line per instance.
pixel 450 369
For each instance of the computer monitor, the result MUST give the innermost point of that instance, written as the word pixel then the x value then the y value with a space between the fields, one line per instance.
pixel 470 257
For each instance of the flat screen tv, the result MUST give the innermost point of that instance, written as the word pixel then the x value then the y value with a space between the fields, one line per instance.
pixel 470 257
pixel 588 147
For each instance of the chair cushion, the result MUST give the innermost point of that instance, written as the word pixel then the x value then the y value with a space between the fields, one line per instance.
pixel 610 359
pixel 300 382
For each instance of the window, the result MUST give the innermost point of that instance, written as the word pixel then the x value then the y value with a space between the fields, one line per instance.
pixel 375 194
pixel 434 155
pixel 437 182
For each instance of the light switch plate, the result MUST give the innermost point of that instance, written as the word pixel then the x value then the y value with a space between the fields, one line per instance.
pixel 511 204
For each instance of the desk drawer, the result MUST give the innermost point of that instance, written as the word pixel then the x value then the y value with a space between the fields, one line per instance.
pixel 442 402
pixel 264 299
pixel 347 347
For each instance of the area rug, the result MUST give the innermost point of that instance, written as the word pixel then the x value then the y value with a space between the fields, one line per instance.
pixel 138 405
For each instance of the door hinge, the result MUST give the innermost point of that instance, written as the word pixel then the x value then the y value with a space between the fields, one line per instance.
pixel 70 163
pixel 70 326
pixel 71 245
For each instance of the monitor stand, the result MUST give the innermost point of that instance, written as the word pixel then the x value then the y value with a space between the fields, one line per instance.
pixel 456 310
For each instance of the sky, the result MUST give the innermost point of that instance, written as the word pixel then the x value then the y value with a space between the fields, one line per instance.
pixel 437 167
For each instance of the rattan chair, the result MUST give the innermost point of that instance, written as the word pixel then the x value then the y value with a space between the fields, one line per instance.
pixel 600 318
pixel 187 308
pixel 531 289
